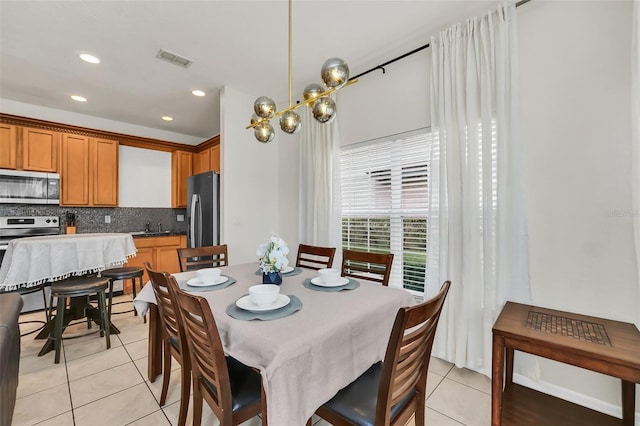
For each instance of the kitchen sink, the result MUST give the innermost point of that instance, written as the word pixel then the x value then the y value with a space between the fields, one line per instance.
pixel 150 233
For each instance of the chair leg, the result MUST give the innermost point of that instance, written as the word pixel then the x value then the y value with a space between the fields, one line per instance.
pixel 166 372
pixel 57 334
pixel 104 315
pixel 197 405
pixel 184 393
pixel 110 297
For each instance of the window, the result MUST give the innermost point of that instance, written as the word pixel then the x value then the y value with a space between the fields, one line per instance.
pixel 385 194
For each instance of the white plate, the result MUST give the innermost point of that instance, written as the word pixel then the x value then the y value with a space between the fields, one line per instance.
pixel 195 282
pixel 246 304
pixel 287 269
pixel 340 282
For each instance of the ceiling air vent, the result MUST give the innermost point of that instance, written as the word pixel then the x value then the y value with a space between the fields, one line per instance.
pixel 173 58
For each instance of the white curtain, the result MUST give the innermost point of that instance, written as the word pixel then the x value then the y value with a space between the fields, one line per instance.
pixel 635 134
pixel 477 228
pixel 319 182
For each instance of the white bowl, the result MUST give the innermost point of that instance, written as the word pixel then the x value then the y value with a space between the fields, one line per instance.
pixel 264 294
pixel 328 275
pixel 208 275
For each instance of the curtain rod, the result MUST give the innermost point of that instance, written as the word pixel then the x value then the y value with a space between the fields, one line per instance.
pixel 416 50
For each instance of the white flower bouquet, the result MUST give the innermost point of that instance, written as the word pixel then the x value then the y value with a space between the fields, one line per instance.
pixel 272 255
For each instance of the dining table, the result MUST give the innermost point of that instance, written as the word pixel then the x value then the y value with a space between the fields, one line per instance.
pixel 329 337
pixel 32 261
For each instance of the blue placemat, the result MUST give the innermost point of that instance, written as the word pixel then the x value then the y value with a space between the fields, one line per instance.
pixel 240 314
pixel 296 271
pixel 350 286
pixel 183 285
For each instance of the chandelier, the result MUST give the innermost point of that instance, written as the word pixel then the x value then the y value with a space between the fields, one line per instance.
pixel 335 75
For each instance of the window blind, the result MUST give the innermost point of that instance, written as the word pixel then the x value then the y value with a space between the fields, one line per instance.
pixel 385 186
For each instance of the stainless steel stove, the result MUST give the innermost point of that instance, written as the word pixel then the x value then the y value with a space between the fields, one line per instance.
pixel 13 227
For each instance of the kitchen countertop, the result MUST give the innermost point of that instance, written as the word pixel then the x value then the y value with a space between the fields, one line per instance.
pixel 142 234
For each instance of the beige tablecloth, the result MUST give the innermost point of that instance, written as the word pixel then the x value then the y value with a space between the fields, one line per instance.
pixel 34 260
pixel 304 359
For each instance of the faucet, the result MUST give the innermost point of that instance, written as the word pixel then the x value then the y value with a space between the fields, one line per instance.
pixel 147 227
pixel 159 227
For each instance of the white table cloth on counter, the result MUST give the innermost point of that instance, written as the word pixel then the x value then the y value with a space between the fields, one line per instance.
pixel 305 358
pixel 33 260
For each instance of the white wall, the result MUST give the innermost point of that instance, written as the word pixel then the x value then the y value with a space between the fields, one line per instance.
pixel 575 84
pixel 250 187
pixel 8 106
pixel 144 177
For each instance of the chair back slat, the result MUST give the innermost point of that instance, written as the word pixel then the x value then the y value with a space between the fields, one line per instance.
pixel 209 366
pixel 367 266
pixel 203 257
pixel 407 358
pixel 315 257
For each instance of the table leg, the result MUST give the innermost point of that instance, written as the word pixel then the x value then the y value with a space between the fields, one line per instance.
pixel 509 366
pixel 154 362
pixel 497 373
pixel 628 402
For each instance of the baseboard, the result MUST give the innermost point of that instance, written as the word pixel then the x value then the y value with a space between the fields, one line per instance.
pixel 574 397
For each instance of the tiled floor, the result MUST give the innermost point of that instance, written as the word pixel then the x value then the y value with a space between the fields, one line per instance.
pixel 94 386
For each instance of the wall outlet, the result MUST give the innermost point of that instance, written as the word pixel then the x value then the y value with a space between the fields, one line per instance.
pixel 180 218
pixel 107 219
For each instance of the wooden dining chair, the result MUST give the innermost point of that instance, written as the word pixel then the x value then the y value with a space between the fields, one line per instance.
pixel 392 391
pixel 232 389
pixel 367 266
pixel 203 257
pixel 173 341
pixel 315 257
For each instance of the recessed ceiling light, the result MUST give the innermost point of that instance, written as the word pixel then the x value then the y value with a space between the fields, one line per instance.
pixel 198 93
pixel 78 98
pixel 167 118
pixel 89 58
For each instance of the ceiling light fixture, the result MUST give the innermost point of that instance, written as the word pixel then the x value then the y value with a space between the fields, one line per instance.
pixel 167 118
pixel 89 58
pixel 78 98
pixel 198 93
pixel 335 75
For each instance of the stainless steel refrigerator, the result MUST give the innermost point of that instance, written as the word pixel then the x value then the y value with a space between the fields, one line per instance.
pixel 203 209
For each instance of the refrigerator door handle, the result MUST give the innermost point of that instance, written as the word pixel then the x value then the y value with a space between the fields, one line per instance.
pixel 195 210
pixel 199 216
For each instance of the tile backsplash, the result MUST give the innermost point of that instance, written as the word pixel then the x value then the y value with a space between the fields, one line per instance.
pixel 123 219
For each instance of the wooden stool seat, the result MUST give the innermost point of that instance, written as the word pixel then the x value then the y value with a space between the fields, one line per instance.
pixel 132 273
pixel 79 287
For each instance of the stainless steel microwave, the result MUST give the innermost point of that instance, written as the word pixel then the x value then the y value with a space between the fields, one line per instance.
pixel 22 187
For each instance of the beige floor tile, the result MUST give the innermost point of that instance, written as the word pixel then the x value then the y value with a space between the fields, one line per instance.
pixel 174 389
pixel 124 321
pixel 87 345
pixel 134 334
pixel 65 419
pixel 31 363
pixel 154 419
pixel 433 418
pixel 462 403
pixel 29 345
pixel 433 380
pixel 137 350
pixel 99 385
pixel 439 366
pixel 119 409
pixel 101 361
pixel 471 378
pixel 43 379
pixel 42 406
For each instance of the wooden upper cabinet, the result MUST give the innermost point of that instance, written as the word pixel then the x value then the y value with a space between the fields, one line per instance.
pixel 89 171
pixel 40 150
pixel 214 158
pixel 74 171
pixel 8 146
pixel 181 169
pixel 104 164
pixel 201 162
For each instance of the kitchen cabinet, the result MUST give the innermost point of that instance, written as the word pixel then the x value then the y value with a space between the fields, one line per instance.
pixel 181 169
pixel 40 150
pixel 207 160
pixel 8 146
pixel 89 171
pixel 160 252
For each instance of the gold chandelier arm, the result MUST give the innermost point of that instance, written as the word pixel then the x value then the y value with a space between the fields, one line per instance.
pixel 301 103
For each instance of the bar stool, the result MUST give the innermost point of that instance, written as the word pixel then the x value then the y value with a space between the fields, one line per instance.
pixel 132 273
pixel 78 287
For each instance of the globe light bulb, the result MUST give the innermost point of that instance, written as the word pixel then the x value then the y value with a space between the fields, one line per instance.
pixel 290 122
pixel 264 132
pixel 324 109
